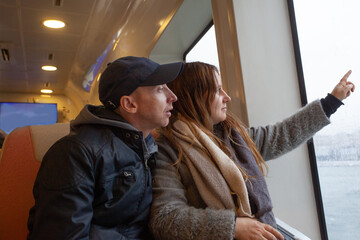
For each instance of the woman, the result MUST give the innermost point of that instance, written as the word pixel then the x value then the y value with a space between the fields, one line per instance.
pixel 209 178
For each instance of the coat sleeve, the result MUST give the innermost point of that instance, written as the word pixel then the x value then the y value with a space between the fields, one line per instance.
pixel 172 217
pixel 282 137
pixel 63 191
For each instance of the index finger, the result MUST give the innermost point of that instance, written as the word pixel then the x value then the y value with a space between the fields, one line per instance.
pixel 345 77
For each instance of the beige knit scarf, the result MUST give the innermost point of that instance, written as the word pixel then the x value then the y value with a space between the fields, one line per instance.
pixel 219 181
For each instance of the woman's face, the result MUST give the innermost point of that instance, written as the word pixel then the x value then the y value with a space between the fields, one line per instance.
pixel 218 105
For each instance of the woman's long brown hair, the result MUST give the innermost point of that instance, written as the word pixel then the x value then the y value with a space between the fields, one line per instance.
pixel 195 89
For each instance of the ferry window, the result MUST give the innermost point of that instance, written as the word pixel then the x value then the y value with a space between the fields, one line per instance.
pixel 204 48
pixel 329 47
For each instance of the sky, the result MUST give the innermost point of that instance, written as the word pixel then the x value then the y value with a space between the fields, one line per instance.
pixel 329 39
pixel 205 51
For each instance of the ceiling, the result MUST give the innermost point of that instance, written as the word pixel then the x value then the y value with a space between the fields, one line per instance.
pixel 32 45
pixel 91 25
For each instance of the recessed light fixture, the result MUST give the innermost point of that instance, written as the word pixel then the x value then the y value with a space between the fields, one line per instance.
pixel 49 68
pixel 46 90
pixel 52 23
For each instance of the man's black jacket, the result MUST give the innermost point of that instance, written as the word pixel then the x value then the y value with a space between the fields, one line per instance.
pixel 94 183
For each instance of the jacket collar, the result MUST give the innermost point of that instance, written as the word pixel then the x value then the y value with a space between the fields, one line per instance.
pixel 91 114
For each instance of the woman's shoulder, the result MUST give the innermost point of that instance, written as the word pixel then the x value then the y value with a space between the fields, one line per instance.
pixel 162 141
pixel 166 151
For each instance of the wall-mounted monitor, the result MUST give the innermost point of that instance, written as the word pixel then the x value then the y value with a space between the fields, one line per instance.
pixel 13 115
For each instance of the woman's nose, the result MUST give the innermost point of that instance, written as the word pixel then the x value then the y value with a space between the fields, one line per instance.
pixel 227 98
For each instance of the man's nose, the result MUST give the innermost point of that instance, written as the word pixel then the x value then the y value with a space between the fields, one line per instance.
pixel 171 96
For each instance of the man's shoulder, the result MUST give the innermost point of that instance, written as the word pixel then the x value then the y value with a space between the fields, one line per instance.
pixel 87 138
pixel 95 137
pixel 90 132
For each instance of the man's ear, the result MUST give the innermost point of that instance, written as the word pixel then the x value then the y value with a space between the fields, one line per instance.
pixel 128 104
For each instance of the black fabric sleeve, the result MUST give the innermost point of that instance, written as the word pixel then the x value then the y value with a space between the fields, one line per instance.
pixel 64 193
pixel 330 104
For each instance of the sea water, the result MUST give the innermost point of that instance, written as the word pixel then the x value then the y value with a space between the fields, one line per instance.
pixel 340 189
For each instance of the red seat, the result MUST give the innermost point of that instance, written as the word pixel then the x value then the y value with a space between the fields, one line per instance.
pixel 20 160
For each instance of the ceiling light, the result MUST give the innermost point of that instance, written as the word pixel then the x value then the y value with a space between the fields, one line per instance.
pixel 54 23
pixel 46 90
pixel 49 68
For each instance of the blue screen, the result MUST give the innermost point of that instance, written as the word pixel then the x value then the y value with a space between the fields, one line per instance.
pixel 13 115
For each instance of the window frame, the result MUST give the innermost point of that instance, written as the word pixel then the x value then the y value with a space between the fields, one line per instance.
pixel 310 143
pixel 203 32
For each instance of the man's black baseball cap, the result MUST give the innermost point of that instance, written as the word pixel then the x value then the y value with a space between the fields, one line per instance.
pixel 125 74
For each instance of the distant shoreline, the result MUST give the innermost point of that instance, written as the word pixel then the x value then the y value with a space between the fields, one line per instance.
pixel 338 163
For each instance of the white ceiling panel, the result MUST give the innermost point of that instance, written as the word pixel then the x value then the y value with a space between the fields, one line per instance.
pixel 54 41
pixel 8 2
pixel 11 36
pixel 9 18
pixel 74 6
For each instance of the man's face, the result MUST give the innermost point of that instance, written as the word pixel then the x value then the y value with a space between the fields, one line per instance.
pixel 154 104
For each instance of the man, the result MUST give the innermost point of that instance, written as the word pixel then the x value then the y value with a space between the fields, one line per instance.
pixel 95 183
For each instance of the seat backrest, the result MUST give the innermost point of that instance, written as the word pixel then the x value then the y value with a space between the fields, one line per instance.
pixel 20 160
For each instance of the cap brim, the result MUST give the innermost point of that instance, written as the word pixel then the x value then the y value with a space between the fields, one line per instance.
pixel 163 74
